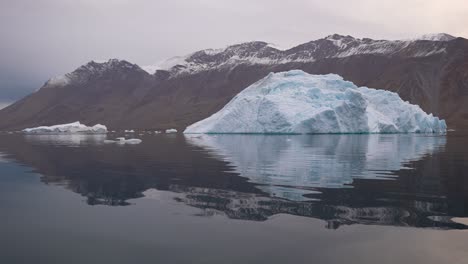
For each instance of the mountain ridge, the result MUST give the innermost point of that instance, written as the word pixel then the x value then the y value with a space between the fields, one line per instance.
pixel 337 45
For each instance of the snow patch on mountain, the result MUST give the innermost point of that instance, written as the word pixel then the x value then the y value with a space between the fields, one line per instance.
pixel 166 65
pixel 436 37
pixel 57 81
pixel 279 47
pixel 300 103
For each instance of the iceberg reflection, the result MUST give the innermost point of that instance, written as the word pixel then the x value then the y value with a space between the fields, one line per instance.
pixel 69 140
pixel 290 166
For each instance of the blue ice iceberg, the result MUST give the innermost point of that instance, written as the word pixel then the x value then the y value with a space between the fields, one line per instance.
pixel 298 102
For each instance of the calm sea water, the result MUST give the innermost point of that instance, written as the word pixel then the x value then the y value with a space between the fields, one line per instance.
pixel 234 199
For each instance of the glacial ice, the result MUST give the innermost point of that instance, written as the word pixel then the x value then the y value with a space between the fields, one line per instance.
pixel 296 102
pixel 75 127
pixel 171 130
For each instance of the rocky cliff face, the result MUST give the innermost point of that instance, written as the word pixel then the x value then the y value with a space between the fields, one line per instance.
pixel 431 71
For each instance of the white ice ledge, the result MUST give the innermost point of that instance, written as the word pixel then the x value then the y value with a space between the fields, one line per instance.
pixel 296 102
pixel 70 128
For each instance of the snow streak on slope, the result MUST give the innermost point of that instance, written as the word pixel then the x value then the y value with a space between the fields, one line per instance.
pixel 333 46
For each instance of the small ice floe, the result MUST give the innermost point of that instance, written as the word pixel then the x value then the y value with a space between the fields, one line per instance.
pixel 70 128
pixel 157 132
pixel 171 130
pixel 129 131
pixel 122 140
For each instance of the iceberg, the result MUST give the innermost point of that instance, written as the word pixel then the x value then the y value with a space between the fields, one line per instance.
pixel 295 102
pixel 71 128
pixel 171 130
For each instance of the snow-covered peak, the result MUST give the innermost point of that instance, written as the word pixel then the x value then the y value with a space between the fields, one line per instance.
pixel 98 66
pixel 255 52
pixel 436 37
pixel 92 69
pixel 340 41
pixel 338 37
pixel 263 53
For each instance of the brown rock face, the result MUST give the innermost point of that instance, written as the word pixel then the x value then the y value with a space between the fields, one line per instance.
pixel 120 95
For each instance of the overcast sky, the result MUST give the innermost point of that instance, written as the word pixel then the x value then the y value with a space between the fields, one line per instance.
pixel 44 38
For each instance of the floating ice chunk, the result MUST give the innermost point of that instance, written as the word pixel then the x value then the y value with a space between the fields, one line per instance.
pixel 299 103
pixel 129 131
pixel 171 130
pixel 132 141
pixel 75 127
pixel 122 140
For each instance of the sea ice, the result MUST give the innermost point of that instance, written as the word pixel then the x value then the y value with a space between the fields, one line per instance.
pixel 75 127
pixel 296 102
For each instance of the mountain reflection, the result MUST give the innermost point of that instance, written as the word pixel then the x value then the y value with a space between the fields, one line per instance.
pixel 400 180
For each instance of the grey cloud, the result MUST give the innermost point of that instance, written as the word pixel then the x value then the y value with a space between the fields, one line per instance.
pixel 40 39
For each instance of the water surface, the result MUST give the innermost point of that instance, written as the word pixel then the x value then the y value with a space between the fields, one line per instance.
pixel 234 198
